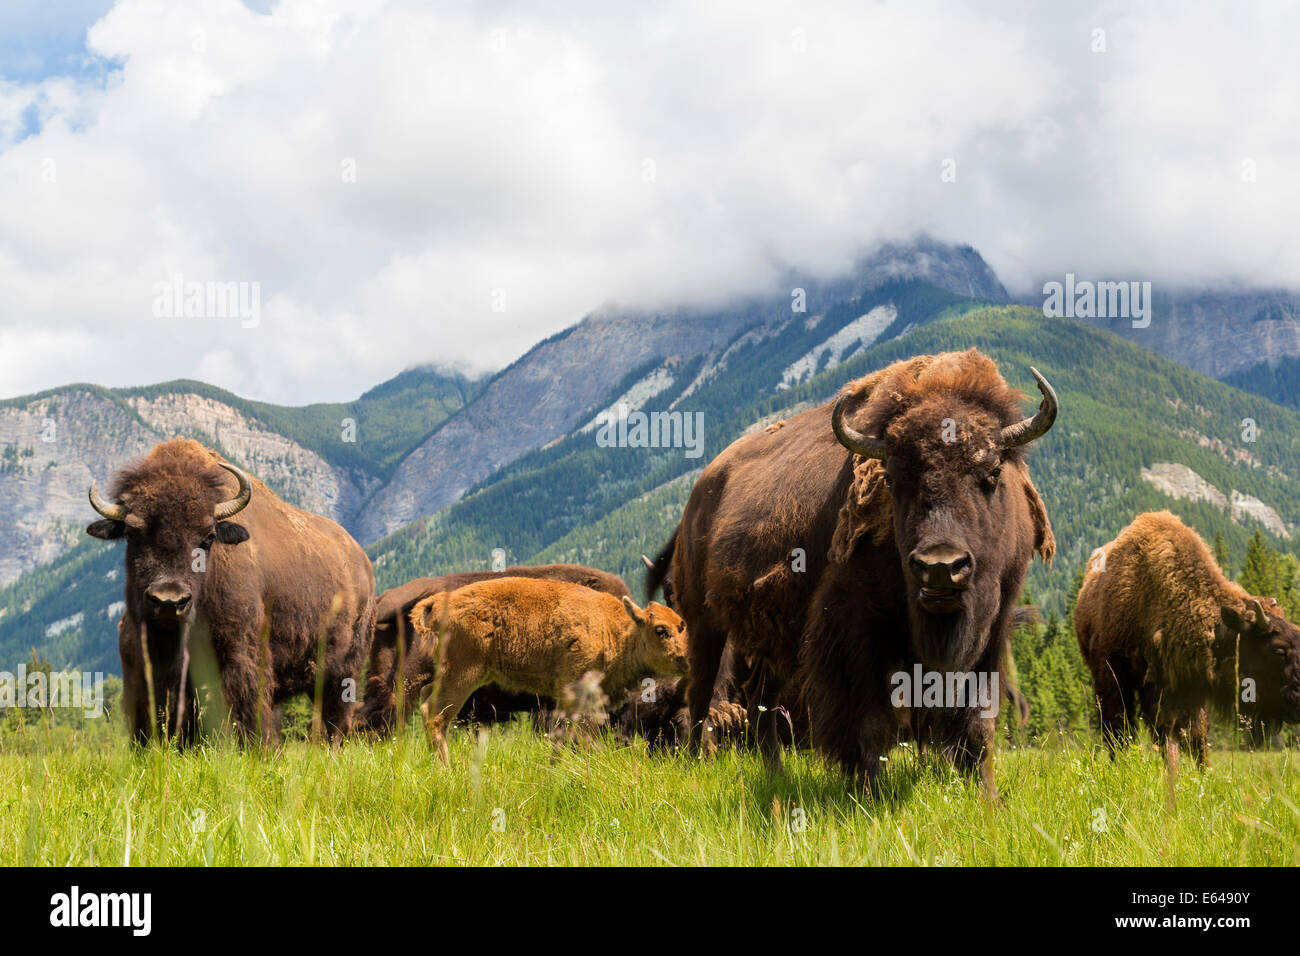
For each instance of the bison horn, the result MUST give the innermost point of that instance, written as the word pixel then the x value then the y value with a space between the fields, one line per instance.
pixel 1023 432
pixel 109 510
pixel 851 438
pixel 650 565
pixel 1261 619
pixel 228 509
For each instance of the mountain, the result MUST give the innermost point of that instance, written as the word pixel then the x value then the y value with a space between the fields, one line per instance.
pixel 1137 432
pixel 328 457
pixel 445 471
pixel 561 381
pixel 1229 334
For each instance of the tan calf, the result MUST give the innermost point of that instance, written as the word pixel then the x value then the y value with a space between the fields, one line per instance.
pixel 536 636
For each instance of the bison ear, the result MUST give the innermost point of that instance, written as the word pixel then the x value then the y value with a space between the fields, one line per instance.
pixel 634 612
pixel 1044 540
pixel 106 529
pixel 230 533
pixel 1233 620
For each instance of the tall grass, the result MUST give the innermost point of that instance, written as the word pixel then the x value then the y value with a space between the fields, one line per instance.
pixel 509 797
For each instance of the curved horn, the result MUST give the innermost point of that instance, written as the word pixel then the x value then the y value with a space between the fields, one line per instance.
pixel 228 509
pixel 851 438
pixel 1261 619
pixel 1023 432
pixel 109 510
pixel 650 565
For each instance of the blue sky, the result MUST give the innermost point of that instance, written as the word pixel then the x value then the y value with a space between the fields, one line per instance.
pixel 43 38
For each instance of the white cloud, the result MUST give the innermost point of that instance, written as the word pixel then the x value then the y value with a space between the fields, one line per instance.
pixel 504 148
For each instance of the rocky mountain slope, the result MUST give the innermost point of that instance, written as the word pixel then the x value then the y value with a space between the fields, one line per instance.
pixel 437 472
pixel 560 382
pixel 327 458
pixel 1223 334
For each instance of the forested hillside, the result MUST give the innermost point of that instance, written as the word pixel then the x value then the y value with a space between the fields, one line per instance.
pixel 1125 413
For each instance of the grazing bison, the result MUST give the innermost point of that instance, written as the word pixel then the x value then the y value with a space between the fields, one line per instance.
pixel 393 634
pixel 536 635
pixel 837 557
pixel 282 600
pixel 1164 632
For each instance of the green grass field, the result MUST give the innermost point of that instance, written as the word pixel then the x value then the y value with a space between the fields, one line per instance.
pixel 510 798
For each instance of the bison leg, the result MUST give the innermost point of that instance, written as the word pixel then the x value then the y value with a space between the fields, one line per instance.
pixel 765 715
pixel 1198 737
pixel 1115 704
pixel 249 688
pixel 969 747
pixel 704 656
pixel 453 689
pixel 135 695
pixel 1169 745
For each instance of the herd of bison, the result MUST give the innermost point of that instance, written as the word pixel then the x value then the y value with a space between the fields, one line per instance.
pixel 886 533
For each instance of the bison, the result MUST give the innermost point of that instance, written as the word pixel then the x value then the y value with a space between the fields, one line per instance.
pixel 393 635
pixel 658 712
pixel 535 635
pixel 1164 633
pixel 281 602
pixel 836 556
pixel 665 718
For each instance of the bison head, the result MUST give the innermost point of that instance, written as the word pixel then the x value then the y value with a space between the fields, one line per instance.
pixel 171 509
pixel 950 437
pixel 1268 647
pixel 660 637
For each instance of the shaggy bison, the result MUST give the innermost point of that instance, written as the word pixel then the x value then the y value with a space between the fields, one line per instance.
pixel 838 555
pixel 393 633
pixel 1164 632
pixel 289 612
pixel 536 635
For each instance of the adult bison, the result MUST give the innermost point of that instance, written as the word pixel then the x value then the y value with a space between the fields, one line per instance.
pixel 838 556
pixel 394 630
pixel 283 600
pixel 1164 633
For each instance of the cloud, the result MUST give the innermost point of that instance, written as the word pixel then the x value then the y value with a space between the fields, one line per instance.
pixel 408 184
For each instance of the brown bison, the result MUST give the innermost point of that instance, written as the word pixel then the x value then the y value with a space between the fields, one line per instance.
pixel 282 601
pixel 657 710
pixel 838 556
pixel 536 635
pixel 1164 632
pixel 393 632
pixel 665 718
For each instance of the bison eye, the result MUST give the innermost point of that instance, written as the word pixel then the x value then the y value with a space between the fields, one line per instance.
pixel 991 481
pixel 209 540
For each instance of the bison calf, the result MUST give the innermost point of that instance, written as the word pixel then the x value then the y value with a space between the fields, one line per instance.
pixel 1162 630
pixel 536 635
pixel 391 677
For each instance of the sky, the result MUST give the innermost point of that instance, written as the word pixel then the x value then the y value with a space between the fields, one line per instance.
pixel 341 189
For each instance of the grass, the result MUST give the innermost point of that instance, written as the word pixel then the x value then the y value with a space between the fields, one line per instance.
pixel 85 797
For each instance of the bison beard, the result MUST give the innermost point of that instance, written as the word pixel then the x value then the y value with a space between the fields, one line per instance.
pixel 916 536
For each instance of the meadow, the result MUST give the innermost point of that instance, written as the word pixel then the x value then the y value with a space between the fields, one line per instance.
pixel 86 797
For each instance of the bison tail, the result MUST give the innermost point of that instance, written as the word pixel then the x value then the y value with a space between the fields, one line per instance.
pixel 657 569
